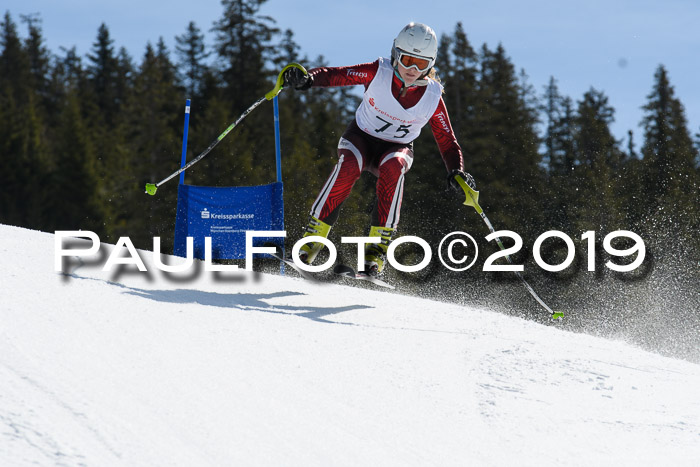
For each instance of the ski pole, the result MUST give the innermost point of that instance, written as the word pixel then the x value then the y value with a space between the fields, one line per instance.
pixel 472 199
pixel 152 187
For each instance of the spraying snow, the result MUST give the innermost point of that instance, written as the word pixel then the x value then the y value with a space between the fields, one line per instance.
pixel 243 369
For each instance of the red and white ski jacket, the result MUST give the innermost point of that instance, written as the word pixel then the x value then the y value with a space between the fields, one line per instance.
pixel 364 73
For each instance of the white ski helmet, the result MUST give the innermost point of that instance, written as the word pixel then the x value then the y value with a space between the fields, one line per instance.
pixel 415 40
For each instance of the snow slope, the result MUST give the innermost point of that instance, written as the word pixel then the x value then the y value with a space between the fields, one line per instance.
pixel 101 370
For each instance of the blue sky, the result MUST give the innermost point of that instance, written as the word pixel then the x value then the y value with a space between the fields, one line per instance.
pixel 614 45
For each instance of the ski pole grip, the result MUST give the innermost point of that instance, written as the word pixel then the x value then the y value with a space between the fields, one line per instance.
pixel 471 195
pixel 280 80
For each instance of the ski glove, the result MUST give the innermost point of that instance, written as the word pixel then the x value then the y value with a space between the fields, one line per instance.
pixel 452 182
pixel 297 79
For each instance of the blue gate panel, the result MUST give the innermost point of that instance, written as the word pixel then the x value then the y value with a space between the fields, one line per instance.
pixel 225 214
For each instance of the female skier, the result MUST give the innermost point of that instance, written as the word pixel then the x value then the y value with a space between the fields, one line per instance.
pixel 402 94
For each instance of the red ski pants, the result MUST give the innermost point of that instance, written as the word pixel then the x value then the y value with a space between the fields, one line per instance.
pixel 358 152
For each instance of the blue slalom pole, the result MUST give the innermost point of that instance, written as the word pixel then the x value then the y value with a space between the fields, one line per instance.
pixel 278 156
pixel 183 160
pixel 278 152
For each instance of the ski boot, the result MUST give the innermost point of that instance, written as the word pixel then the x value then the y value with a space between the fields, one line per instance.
pixel 309 251
pixel 375 253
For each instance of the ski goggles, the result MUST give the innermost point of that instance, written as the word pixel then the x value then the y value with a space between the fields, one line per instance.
pixel 419 63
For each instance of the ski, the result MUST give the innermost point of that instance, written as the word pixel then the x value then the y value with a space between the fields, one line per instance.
pixel 347 271
pixel 304 274
pixel 339 269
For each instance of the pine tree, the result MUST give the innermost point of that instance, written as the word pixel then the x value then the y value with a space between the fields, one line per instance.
pixel 74 181
pixel 506 158
pixel 154 111
pixel 668 148
pixel 13 64
pixel 23 151
pixel 108 85
pixel 596 201
pixel 670 180
pixel 66 73
pixel 192 53
pixel 38 55
pixel 462 84
pixel 102 75
pixel 124 78
pixel 558 141
pixel 243 43
pixel 444 62
pixel 558 156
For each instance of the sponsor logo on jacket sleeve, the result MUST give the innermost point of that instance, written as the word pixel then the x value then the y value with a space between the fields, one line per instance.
pixel 443 121
pixel 359 74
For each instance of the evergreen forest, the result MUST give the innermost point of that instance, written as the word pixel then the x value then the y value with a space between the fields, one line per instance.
pixel 81 135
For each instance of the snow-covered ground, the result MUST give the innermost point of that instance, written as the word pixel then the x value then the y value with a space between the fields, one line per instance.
pixel 146 370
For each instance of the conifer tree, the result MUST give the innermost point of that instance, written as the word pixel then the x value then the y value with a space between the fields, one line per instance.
pixel 668 148
pixel 24 154
pixel 558 141
pixel 505 142
pixel 462 83
pixel 243 43
pixel 596 188
pixel 154 111
pixel 74 181
pixel 13 64
pixel 558 155
pixel 108 85
pixel 38 55
pixel 192 54
pixel 103 75
pixel 124 78
pixel 670 179
pixel 65 74
pixel 444 62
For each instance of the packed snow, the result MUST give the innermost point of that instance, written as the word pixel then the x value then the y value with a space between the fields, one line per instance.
pixel 152 369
